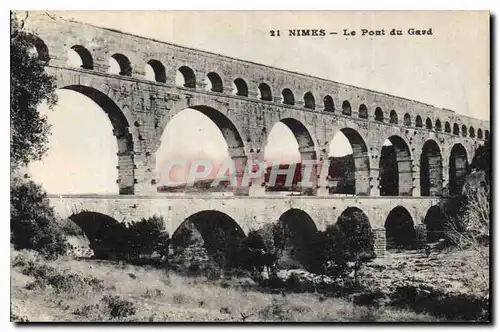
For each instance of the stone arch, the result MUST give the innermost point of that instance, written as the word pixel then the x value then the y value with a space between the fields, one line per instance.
pixel 486 134
pixel 124 63
pixel 105 234
pixel 215 82
pixel 265 92
pixel 361 161
pixel 300 230
pixel 393 117
pixel 435 222
pixel 354 224
pixel 121 130
pixel 216 231
pixel 418 121
pixel 447 127
pixel 41 48
pixel 431 170
pixel 407 119
pixel 438 125
pixel 396 178
pixel 288 97
pixel 379 115
pixel 309 101
pixel 480 133
pixel 363 111
pixel 329 104
pixel 241 87
pixel 346 108
pixel 301 133
pixel 472 133
pixel 85 57
pixel 464 131
pixel 428 123
pixel 456 130
pixel 458 166
pixel 189 77
pixel 399 229
pixel 159 70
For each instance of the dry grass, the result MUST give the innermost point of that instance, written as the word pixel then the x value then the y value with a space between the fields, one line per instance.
pixel 131 293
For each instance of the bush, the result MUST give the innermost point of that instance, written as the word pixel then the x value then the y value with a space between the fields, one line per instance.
pixel 148 237
pixel 119 307
pixel 33 222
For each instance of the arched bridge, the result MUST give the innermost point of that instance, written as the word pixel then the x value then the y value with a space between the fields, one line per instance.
pixel 432 147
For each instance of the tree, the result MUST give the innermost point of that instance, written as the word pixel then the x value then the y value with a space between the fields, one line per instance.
pixel 30 86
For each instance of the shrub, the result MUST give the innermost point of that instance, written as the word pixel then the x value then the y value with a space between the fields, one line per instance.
pixel 119 307
pixel 33 222
pixel 147 237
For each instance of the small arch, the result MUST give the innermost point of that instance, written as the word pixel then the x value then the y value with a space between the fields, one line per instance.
pixel 399 229
pixel 418 122
pixel 241 87
pixel 379 115
pixel 309 101
pixel 480 133
pixel 428 124
pixel 407 119
pixel 486 134
pixel 464 131
pixel 158 70
pixel 124 64
pixel 265 92
pixel 85 57
pixel 328 103
pixel 438 125
pixel 346 108
pixel 435 222
pixel 288 97
pixel 456 130
pixel 447 127
pixel 215 82
pixel 188 78
pixel 393 117
pixel 472 133
pixel 363 111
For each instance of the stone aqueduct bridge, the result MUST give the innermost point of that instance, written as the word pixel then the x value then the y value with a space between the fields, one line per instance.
pixel 432 146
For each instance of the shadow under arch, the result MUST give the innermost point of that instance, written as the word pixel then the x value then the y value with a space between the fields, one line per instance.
pixel 399 229
pixel 120 130
pixel 216 231
pixel 435 222
pixel 355 232
pixel 105 234
pixel 299 230
pixel 431 170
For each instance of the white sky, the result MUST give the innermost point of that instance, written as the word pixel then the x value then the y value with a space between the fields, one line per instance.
pixel 449 69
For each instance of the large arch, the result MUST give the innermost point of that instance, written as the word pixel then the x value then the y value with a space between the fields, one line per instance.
pixel 299 230
pixel 458 166
pixel 435 222
pixel 215 230
pixel 399 229
pixel 361 167
pixel 355 232
pixel 431 170
pixel 121 131
pixel 105 234
pixel 396 168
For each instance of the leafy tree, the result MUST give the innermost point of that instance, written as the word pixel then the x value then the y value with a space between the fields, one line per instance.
pixel 32 220
pixel 30 86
